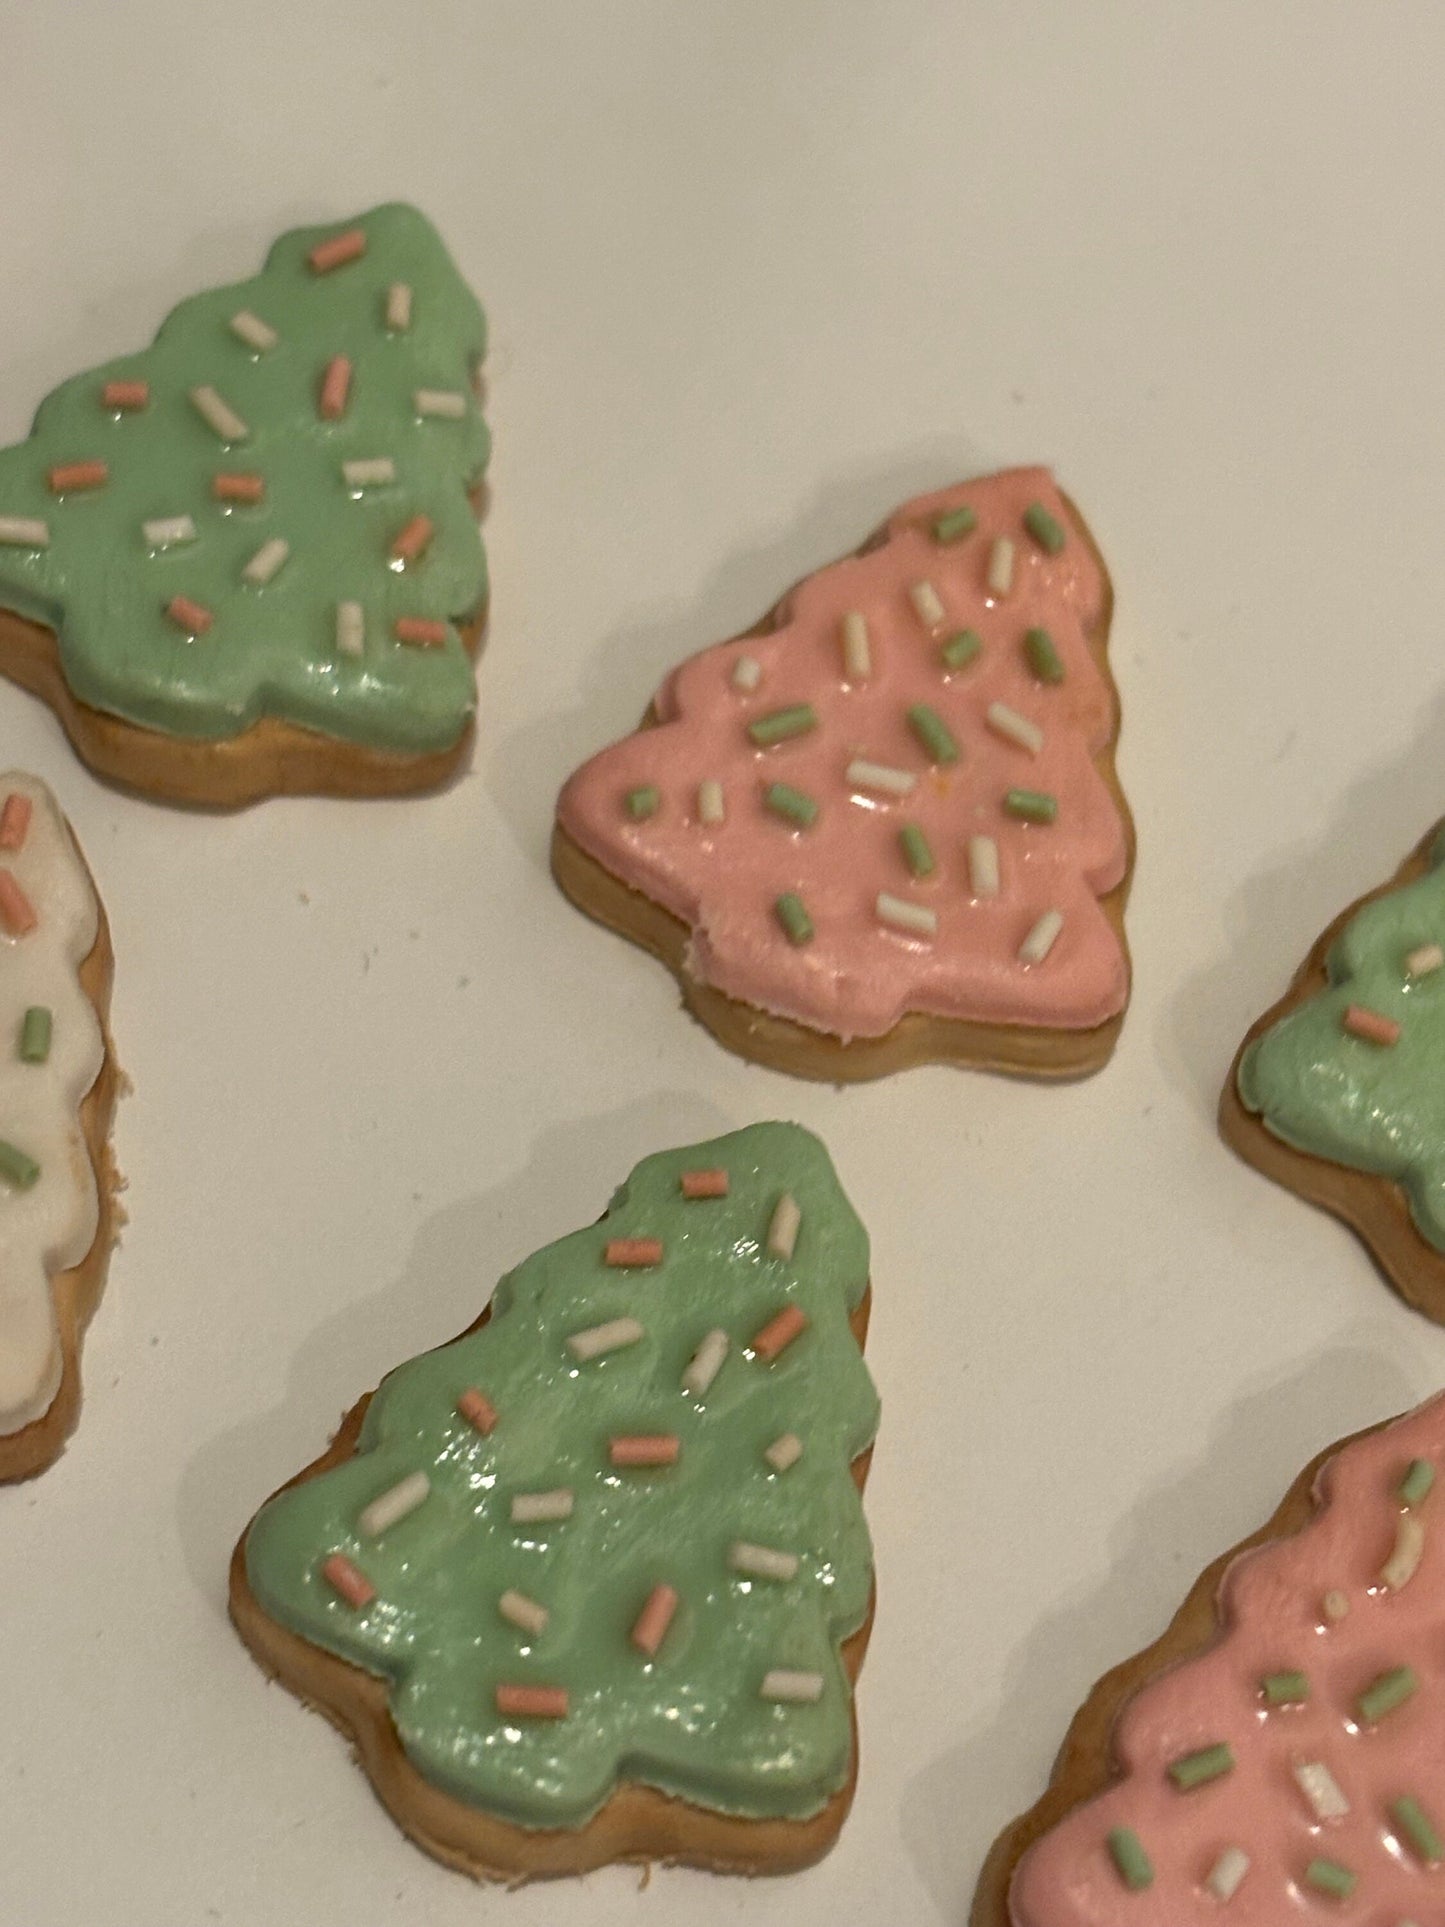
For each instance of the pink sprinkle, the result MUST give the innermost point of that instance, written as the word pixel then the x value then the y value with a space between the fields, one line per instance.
pixel 17 912
pixel 532 1702
pixel 1369 1024
pixel 704 1184
pixel 477 1409
pixel 234 487
pixel 779 1332
pixel 15 821
pixel 644 1448
pixel 336 252
pixel 125 394
pixel 193 617
pixel 335 389
pixel 649 1629
pixel 626 1253
pixel 429 635
pixel 70 476
pixel 348 1580
pixel 414 540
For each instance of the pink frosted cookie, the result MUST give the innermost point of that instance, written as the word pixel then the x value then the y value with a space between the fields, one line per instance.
pixel 1277 1756
pixel 884 828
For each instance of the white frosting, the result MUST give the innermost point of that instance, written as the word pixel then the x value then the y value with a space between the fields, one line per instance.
pixel 51 1226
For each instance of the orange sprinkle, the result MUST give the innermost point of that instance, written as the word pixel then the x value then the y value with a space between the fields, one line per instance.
pixel 70 476
pixel 125 394
pixel 644 1448
pixel 649 1629
pixel 17 912
pixel 15 821
pixel 348 1580
pixel 335 253
pixel 704 1184
pixel 628 1252
pixel 193 617
pixel 1371 1025
pixel 233 486
pixel 414 540
pixel 780 1332
pixel 335 389
pixel 477 1409
pixel 429 635
pixel 532 1702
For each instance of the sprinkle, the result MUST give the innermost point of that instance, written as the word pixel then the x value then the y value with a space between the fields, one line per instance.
pixel 17 912
pixel 1042 938
pixel 1001 567
pixel 1329 1877
pixel 983 866
pixel 779 1333
pixel 1008 723
pixel 1423 961
pixel 368 471
pixel 609 1337
pixel 537 1508
pixel 168 531
pixel 1321 1789
pixel 795 805
pixel 1198 1769
pixel 916 918
pixel 1131 1863
pixel 792 914
pixel 783 1227
pixel 958 522
pixel 348 1580
pixel 1418 1828
pixel 863 775
pixel 478 1410
pixel 643 802
pixel 445 403
pixel 762 1562
pixel 933 733
pixel 1043 528
pixel 35 1033
pixel 17 1168
pixel 783 1683
pixel 1401 1566
pixel 649 1629
pixel 420 632
pixel 218 415
pixel 193 617
pixel 927 606
pixel 784 1452
pixel 1043 657
pixel 1385 1694
pixel 747 673
pixel 519 1610
pixel 711 808
pixel 234 487
pixel 1369 1024
pixel 71 476
pixel 1336 1604
pixel 267 560
pixel 1285 1689
pixel 1033 806
pixel 916 852
pixel 255 332
pixel 1227 1872
pixel 398 307
pixel 392 1506
pixel 350 628
pixel 857 657
pixel 532 1702
pixel 705 1364
pixel 712 1183
pixel 24 532
pixel 625 1253
pixel 125 395
pixel 780 724
pixel 414 540
pixel 961 649
pixel 349 245
pixel 1413 1489
pixel 335 389
pixel 642 1449
pixel 15 820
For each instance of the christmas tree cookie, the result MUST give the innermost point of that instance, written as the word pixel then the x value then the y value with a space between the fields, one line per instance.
pixel 246 560
pixel 883 828
pixel 592 1582
pixel 1277 1755
pixel 1338 1092
pixel 57 1094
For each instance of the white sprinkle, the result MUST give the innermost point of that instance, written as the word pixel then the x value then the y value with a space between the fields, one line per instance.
pixel 1001 567
pixel 878 776
pixel 705 1363
pixel 914 917
pixel 762 1562
pixel 784 1452
pixel 523 1612
pixel 1420 963
pixel 1399 1569
pixel 446 402
pixel 927 606
pixel 368 471
pixel 783 1229
pixel 398 307
pixel 597 1339
pixel 255 332
pixel 350 628
pixel 218 415
pixel 266 561
pixel 1227 1872
pixel 537 1508
pixel 167 531
pixel 1042 938
pixel 1336 1604
pixel 710 805
pixel 392 1506
pixel 21 532
pixel 1004 721
pixel 983 866
pixel 1321 1789
pixel 857 657
pixel 747 672
pixel 783 1684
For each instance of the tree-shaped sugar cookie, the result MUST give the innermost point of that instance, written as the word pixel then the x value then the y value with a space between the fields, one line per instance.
pixel 246 560
pixel 593 1581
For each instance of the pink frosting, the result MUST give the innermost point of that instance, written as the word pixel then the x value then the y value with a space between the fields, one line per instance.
pixel 857 976
pixel 1274 1619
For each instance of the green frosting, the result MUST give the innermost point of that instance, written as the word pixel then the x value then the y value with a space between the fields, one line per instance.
pixel 1341 1097
pixel 271 649
pixel 691 1722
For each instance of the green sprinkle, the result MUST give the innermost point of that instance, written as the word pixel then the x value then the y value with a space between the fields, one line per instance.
pixel 962 648
pixel 1384 1694
pixel 1418 1828
pixel 1197 1769
pixel 35 1035
pixel 958 522
pixel 643 802
pixel 1043 528
pixel 933 732
pixel 1042 655
pixel 1285 1689
pixel 783 800
pixel 1416 1484
pixel 1329 1877
pixel 779 724
pixel 1130 1860
pixel 794 918
pixel 916 853
pixel 18 1170
pixel 1034 806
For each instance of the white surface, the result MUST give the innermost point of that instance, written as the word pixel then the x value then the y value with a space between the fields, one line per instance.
pixel 756 272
